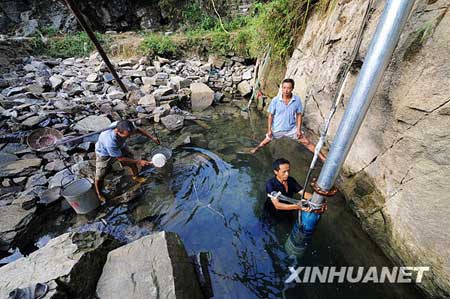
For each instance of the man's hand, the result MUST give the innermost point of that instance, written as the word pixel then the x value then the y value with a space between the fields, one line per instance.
pixel 156 140
pixel 299 135
pixel 102 198
pixel 269 134
pixel 306 209
pixel 143 163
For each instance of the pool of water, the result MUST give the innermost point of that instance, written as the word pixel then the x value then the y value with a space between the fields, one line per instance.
pixel 213 197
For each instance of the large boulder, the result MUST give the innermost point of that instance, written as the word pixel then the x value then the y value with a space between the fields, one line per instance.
pixel 93 123
pixel 155 266
pixel 14 221
pixel 396 174
pixel 201 96
pixel 71 264
pixel 19 168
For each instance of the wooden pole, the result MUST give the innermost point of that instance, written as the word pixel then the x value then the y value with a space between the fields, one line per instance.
pixel 93 38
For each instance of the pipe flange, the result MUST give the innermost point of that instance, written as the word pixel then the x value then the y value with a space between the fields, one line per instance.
pixel 318 190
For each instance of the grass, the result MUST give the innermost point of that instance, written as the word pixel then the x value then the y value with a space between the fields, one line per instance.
pixel 158 44
pixel 53 44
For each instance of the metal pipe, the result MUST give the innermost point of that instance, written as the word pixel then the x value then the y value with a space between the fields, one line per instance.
pixel 94 40
pixel 380 51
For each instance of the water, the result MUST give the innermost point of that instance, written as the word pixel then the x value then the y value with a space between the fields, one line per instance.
pixel 213 197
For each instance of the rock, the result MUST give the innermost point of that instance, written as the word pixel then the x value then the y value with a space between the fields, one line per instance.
pixel 183 139
pixel 247 75
pixel 69 61
pixel 116 95
pixel 33 121
pixel 121 106
pixel 244 88
pixel 6 157
pixel 236 78
pixel 151 71
pixel 56 81
pixel 162 91
pixel 73 260
pixel 94 87
pixel 13 91
pixel 148 80
pixel 37 179
pixel 398 164
pixel 92 78
pixel 55 165
pixel 92 123
pixel 147 101
pixel 15 220
pixel 218 96
pixel 19 180
pixel 216 61
pixel 201 96
pixel 173 122
pixel 19 167
pixel 154 266
pixel 60 178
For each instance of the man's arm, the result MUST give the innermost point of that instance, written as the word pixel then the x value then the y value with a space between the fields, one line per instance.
pixel 288 207
pixel 299 125
pixel 141 163
pixel 269 124
pixel 146 134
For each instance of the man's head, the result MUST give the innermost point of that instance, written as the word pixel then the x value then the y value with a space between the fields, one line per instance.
pixel 287 86
pixel 125 128
pixel 281 169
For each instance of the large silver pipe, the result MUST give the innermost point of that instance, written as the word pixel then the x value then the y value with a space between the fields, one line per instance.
pixel 380 51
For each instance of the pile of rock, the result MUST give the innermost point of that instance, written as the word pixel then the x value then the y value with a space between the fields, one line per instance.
pixel 79 95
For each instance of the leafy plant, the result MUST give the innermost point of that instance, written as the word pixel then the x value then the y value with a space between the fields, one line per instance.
pixel 75 44
pixel 157 44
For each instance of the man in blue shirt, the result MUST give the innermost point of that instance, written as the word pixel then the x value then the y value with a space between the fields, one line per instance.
pixel 111 146
pixel 285 118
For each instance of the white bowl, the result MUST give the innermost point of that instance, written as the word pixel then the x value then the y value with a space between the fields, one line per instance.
pixel 159 160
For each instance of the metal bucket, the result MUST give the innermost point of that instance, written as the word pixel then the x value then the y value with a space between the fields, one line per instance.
pixel 81 196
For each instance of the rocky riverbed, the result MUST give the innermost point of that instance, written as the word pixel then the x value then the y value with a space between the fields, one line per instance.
pixel 78 96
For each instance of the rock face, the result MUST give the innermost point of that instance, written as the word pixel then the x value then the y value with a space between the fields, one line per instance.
pixel 71 264
pixel 201 96
pixel 396 174
pixel 104 15
pixel 155 266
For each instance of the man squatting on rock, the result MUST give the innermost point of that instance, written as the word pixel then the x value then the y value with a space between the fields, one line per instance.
pixel 285 119
pixel 111 146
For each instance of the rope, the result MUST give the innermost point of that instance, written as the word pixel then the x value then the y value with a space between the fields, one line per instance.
pixel 220 19
pixel 337 98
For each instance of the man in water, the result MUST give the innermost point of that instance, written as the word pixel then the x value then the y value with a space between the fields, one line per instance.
pixel 111 146
pixel 285 119
pixel 288 186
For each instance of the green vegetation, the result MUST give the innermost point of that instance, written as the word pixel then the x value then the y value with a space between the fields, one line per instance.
pixel 50 43
pixel 275 24
pixel 158 44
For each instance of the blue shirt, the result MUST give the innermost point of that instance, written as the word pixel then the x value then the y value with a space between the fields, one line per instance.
pixel 109 144
pixel 285 116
